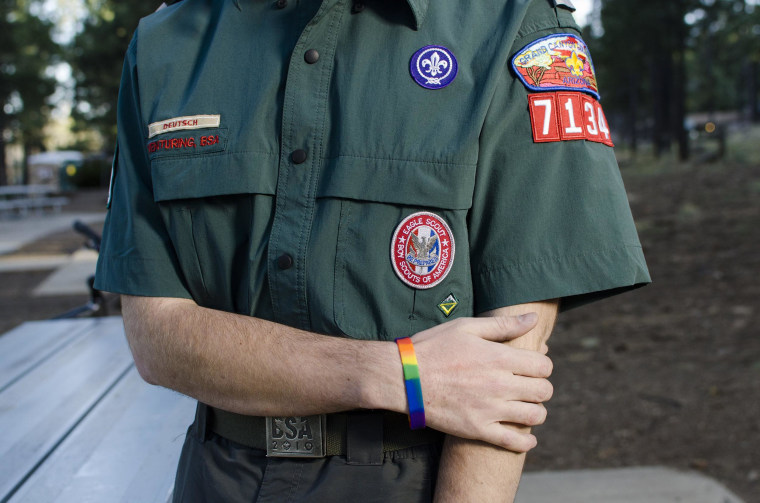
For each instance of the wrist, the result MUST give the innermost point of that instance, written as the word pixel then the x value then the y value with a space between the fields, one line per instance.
pixel 383 378
pixel 412 383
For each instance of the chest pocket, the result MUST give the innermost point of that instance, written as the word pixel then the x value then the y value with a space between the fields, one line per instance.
pixel 212 218
pixel 370 300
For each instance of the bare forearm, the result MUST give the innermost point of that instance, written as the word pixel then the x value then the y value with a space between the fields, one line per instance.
pixel 475 471
pixel 473 382
pixel 256 367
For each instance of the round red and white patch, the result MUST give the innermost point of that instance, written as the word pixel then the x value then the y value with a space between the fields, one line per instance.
pixel 422 250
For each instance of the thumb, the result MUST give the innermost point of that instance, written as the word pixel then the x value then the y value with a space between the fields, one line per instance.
pixel 504 328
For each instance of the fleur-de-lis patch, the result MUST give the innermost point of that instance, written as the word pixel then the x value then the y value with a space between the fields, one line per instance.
pixel 433 67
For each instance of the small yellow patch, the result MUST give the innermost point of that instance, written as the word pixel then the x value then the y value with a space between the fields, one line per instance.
pixel 448 305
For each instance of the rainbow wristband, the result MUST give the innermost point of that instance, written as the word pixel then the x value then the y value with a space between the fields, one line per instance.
pixel 412 382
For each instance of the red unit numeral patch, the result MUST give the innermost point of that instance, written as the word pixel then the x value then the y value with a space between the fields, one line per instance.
pixel 562 116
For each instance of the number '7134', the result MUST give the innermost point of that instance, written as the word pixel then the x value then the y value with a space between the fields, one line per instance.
pixel 563 116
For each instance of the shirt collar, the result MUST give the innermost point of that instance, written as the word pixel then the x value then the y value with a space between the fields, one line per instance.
pixel 419 9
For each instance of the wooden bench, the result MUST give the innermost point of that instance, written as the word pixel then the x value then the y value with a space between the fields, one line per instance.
pixel 22 206
pixel 77 421
pixel 9 191
pixel 78 424
pixel 21 199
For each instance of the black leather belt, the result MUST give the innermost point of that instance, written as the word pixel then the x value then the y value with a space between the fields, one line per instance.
pixel 388 430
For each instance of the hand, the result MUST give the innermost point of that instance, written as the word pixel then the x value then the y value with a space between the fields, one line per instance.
pixel 472 383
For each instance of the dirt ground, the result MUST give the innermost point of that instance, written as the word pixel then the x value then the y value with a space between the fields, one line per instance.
pixel 666 375
pixel 670 374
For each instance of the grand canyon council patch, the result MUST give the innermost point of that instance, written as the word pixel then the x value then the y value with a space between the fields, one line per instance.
pixel 559 62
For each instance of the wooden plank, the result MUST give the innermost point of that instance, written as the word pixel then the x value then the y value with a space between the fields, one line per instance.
pixel 31 343
pixel 26 190
pixel 126 449
pixel 38 410
pixel 22 206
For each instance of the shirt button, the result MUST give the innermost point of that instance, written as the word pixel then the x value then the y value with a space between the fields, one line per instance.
pixel 311 56
pixel 284 261
pixel 281 4
pixel 298 156
pixel 357 7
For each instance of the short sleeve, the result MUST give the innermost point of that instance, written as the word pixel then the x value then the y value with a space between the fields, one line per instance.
pixel 136 255
pixel 549 219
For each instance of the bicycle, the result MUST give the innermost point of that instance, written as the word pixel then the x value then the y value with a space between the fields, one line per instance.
pixel 97 304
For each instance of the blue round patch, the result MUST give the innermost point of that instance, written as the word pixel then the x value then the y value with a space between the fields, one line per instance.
pixel 433 67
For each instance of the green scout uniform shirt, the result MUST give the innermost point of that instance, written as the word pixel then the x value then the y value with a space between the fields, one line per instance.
pixel 284 206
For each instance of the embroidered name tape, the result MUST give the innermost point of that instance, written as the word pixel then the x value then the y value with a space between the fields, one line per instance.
pixel 433 67
pixel 179 123
pixel 422 250
pixel 566 116
pixel 183 143
pixel 556 63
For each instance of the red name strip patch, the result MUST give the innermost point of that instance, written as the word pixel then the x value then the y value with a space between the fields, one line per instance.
pixel 182 143
pixel 563 116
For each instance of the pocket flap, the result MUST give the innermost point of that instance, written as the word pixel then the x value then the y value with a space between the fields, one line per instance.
pixel 409 183
pixel 213 175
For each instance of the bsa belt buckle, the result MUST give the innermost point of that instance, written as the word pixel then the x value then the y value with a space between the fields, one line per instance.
pixel 297 436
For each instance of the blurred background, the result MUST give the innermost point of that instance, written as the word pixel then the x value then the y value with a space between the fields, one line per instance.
pixel 667 375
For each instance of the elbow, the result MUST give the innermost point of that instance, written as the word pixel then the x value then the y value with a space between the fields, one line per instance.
pixel 145 365
pixel 147 373
pixel 144 321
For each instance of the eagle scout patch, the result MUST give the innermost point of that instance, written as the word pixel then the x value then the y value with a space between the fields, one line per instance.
pixel 179 123
pixel 448 305
pixel 559 62
pixel 422 250
pixel 433 67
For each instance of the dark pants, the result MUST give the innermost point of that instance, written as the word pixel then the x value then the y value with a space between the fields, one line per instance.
pixel 215 469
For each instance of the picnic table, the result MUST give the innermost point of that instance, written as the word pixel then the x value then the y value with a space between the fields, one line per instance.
pixel 78 423
pixel 20 199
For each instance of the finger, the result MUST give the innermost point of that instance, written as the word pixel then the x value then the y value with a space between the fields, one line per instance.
pixel 544 348
pixel 502 328
pixel 508 438
pixel 526 362
pixel 527 389
pixel 522 413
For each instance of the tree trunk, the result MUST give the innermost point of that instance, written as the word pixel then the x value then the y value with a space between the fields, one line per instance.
pixel 754 112
pixel 662 80
pixel 633 105
pixel 3 165
pixel 29 149
pixel 679 98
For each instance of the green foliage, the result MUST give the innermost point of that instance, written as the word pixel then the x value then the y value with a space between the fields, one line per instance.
pixel 725 38
pixel 96 56
pixel 658 61
pixel 26 53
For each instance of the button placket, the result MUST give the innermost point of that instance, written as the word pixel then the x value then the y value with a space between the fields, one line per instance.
pixel 303 119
